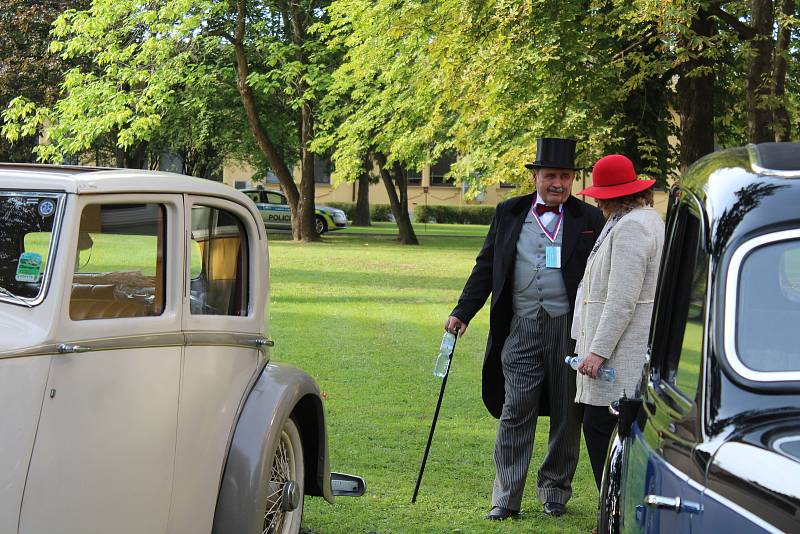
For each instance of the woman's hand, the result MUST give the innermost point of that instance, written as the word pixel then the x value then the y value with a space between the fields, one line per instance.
pixel 590 364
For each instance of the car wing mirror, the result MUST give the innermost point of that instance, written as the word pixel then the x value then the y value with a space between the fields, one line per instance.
pixel 343 485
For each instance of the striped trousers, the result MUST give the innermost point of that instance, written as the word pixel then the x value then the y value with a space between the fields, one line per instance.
pixel 533 355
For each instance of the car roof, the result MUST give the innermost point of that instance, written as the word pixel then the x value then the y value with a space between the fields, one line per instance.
pixel 747 189
pixel 96 180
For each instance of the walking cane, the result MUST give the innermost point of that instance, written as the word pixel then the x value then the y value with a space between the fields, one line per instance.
pixel 433 423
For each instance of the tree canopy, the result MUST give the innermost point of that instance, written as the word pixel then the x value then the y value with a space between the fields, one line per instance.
pixel 650 79
pixel 395 84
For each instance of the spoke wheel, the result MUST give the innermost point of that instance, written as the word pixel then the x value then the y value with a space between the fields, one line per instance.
pixel 285 489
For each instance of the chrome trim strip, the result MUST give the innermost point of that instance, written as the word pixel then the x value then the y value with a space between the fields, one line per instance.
pixel 55 238
pixel 229 339
pixel 780 442
pixel 755 164
pixel 729 324
pixel 141 341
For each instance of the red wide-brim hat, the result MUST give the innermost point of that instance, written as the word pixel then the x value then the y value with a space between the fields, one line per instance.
pixel 613 176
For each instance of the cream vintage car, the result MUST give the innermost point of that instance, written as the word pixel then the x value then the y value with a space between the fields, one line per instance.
pixel 136 392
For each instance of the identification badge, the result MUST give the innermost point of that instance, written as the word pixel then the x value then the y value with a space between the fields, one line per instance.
pixel 552 257
pixel 29 268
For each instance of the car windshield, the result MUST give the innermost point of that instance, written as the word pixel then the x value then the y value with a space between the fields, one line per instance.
pixel 26 239
pixel 768 308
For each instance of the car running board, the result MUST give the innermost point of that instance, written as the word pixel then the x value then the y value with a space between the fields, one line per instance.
pixel 343 485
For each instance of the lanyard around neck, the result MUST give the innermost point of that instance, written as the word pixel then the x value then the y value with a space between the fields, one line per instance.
pixel 550 235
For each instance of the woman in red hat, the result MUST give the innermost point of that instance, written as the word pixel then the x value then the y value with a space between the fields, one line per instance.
pixel 615 299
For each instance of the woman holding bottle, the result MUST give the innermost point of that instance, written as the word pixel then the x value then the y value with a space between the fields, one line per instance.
pixel 615 299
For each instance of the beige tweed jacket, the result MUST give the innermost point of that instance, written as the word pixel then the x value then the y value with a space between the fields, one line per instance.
pixel 619 285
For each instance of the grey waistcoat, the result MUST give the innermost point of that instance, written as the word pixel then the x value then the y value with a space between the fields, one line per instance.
pixel 536 286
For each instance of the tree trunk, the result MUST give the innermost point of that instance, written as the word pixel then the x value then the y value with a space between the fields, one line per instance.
pixel 271 154
pixel 696 100
pixel 759 90
pixel 783 126
pixel 361 211
pixel 399 203
pixel 306 229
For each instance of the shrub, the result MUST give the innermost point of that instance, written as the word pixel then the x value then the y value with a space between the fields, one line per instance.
pixel 454 214
pixel 380 212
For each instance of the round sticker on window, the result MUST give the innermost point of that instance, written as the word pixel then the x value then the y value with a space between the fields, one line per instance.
pixel 46 208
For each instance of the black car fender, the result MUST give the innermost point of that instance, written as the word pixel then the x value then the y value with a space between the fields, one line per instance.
pixel 279 392
pixel 610 506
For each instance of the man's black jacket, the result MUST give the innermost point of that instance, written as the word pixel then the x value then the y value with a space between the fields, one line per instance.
pixel 493 273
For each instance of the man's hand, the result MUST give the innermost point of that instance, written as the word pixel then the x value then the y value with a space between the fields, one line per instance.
pixel 590 365
pixel 455 325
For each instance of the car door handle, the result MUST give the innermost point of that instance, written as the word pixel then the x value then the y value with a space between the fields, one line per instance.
pixel 264 342
pixel 675 504
pixel 66 348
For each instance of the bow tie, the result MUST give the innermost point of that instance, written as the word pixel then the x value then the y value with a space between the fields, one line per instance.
pixel 541 209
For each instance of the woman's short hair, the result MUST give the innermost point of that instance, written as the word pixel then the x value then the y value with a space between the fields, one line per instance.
pixel 636 200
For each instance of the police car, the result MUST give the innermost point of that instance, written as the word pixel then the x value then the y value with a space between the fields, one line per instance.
pixel 274 209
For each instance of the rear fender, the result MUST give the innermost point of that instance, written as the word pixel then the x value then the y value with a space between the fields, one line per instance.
pixel 279 393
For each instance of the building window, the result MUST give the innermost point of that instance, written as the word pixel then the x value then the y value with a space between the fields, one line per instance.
pixel 322 169
pixel 441 168
pixel 413 177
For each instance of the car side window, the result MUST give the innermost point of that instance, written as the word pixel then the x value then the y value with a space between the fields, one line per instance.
pixel 218 263
pixel 275 198
pixel 681 311
pixel 119 266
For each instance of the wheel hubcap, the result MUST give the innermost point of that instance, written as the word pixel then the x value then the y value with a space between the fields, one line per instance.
pixel 291 496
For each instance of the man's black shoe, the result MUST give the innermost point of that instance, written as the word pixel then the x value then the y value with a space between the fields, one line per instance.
pixel 555 509
pixel 498 513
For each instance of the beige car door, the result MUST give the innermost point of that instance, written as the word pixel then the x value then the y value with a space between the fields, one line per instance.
pixel 104 453
pixel 223 321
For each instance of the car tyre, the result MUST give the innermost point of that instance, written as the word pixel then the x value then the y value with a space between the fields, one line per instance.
pixel 611 490
pixel 320 225
pixel 283 509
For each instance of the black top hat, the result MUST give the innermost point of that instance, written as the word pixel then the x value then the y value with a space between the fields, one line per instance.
pixel 554 153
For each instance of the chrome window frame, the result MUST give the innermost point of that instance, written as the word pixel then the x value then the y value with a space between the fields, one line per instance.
pixel 731 306
pixel 51 253
pixel 755 165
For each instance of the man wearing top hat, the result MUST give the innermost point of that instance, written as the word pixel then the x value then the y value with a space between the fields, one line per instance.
pixel 531 263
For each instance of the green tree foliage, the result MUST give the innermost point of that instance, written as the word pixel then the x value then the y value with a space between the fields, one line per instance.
pixel 190 75
pixel 26 67
pixel 662 82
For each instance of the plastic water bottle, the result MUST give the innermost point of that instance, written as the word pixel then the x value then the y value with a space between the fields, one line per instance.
pixel 445 354
pixel 606 374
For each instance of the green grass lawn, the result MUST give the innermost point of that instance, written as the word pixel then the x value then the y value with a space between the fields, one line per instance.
pixel 364 316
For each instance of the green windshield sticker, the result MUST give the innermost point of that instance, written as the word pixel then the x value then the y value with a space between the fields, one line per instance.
pixel 29 268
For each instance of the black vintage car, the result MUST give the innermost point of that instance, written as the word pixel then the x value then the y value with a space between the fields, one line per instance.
pixel 711 441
